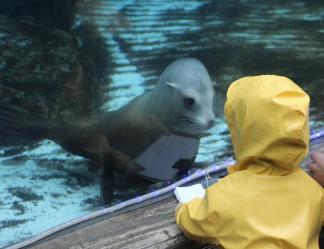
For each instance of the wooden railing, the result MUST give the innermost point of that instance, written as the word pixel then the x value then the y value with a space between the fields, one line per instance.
pixel 151 226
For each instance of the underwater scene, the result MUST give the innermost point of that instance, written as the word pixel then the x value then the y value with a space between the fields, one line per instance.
pixel 65 64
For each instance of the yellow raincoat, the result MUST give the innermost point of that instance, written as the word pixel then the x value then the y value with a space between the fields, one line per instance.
pixel 267 200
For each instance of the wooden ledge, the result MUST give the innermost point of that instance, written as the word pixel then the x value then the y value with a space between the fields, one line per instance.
pixel 151 226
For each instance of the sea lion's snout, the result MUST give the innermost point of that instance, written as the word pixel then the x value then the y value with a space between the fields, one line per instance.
pixel 205 124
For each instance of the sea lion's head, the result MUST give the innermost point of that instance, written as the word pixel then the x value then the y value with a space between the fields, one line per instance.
pixel 184 98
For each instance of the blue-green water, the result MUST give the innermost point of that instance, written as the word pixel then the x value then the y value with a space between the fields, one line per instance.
pixel 43 186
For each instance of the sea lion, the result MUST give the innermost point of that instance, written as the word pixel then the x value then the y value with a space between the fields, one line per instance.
pixel 180 104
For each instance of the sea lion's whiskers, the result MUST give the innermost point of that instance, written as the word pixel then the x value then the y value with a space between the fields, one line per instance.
pixel 186 120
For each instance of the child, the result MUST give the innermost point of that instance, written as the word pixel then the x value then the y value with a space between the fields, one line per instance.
pixel 267 200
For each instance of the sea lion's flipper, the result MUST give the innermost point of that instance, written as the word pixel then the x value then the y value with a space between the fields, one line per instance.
pixel 109 160
pixel 19 122
pixel 106 185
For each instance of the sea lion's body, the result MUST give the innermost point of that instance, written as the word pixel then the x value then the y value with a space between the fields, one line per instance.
pixel 114 137
pixel 133 123
pixel 181 103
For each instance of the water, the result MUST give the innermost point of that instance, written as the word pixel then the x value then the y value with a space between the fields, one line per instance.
pixel 42 185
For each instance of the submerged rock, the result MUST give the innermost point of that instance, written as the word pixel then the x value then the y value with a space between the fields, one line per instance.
pixel 11 223
pixel 43 70
pixel 50 64
pixel 25 194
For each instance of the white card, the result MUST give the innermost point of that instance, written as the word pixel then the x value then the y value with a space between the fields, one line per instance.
pixel 186 194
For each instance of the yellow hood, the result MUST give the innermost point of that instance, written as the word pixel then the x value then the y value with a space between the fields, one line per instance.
pixel 268 120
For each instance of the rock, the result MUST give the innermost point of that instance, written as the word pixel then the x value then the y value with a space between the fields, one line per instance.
pixel 42 69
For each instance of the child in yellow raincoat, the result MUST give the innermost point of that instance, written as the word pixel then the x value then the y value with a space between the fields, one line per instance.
pixel 267 200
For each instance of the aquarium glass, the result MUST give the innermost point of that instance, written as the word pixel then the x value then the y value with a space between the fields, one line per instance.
pixel 58 59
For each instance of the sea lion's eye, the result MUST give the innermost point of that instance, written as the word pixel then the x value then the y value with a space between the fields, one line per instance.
pixel 188 102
